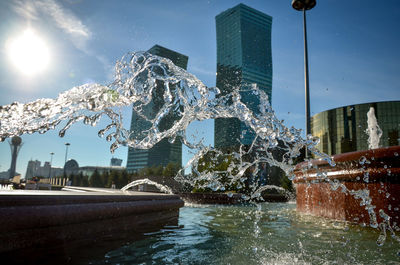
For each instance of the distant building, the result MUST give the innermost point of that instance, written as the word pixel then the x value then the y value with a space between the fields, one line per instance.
pixel 115 162
pixel 89 170
pixel 34 169
pixel 244 58
pixel 343 129
pixel 72 168
pixel 163 152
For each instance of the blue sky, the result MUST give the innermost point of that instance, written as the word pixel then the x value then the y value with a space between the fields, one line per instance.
pixel 353 57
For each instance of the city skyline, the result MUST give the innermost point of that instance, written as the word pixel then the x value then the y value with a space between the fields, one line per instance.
pixel 353 58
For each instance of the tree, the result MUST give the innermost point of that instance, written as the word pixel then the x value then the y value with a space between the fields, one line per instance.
pixel 171 170
pixel 146 171
pixel 287 184
pixel 95 180
pixel 158 170
pixel 222 166
pixel 84 180
pixel 104 179
pixel 123 179
pixel 75 180
pixel 112 177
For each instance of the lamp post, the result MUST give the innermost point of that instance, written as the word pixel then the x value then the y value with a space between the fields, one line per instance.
pixel 303 5
pixel 66 154
pixel 51 162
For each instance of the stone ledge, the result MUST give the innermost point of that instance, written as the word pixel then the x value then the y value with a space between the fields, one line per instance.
pixel 37 218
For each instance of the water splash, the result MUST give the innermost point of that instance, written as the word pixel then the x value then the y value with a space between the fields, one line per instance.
pixel 141 79
pixel 374 131
pixel 148 82
pixel 135 183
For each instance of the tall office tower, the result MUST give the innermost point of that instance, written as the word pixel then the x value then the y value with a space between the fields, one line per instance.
pixel 163 152
pixel 243 58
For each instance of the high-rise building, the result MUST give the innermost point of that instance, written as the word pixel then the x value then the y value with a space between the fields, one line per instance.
pixel 243 58
pixel 163 152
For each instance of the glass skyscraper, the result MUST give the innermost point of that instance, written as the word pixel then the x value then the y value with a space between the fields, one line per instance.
pixel 244 58
pixel 163 152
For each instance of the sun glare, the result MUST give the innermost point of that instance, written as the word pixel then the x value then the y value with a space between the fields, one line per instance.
pixel 28 53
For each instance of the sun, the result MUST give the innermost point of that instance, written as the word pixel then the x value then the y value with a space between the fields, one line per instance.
pixel 28 53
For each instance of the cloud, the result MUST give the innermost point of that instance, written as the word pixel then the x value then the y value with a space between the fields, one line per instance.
pixel 26 9
pixel 64 19
pixel 202 71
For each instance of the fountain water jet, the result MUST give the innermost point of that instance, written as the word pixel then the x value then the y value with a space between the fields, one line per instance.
pixel 135 183
pixel 137 77
pixel 374 131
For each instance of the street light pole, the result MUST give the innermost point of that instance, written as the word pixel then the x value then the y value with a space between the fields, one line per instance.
pixel 303 5
pixel 66 154
pixel 306 80
pixel 51 162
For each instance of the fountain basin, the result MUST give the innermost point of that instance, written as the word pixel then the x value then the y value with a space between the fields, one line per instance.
pixel 211 198
pixel 49 218
pixel 376 170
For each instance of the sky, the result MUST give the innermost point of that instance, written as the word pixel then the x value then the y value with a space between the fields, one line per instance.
pixel 353 58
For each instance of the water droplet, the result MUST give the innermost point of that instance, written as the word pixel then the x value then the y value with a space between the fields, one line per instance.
pixel 362 160
pixel 366 177
pixel 86 120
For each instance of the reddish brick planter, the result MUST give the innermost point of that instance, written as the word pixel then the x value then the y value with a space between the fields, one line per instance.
pixel 317 197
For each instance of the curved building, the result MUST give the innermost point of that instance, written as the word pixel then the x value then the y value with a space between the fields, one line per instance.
pixel 343 129
pixel 71 167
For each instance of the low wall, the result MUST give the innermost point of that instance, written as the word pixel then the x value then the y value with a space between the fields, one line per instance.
pixel 211 198
pixel 48 218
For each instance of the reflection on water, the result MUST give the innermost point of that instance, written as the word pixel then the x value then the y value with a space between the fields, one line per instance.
pixel 270 233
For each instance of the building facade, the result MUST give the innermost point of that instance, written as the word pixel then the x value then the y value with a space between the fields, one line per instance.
pixel 115 162
pixel 244 58
pixel 72 168
pixel 344 129
pixel 163 152
pixel 34 169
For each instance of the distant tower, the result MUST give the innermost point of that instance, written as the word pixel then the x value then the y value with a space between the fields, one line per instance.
pixel 116 162
pixel 244 57
pixel 163 152
pixel 15 145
